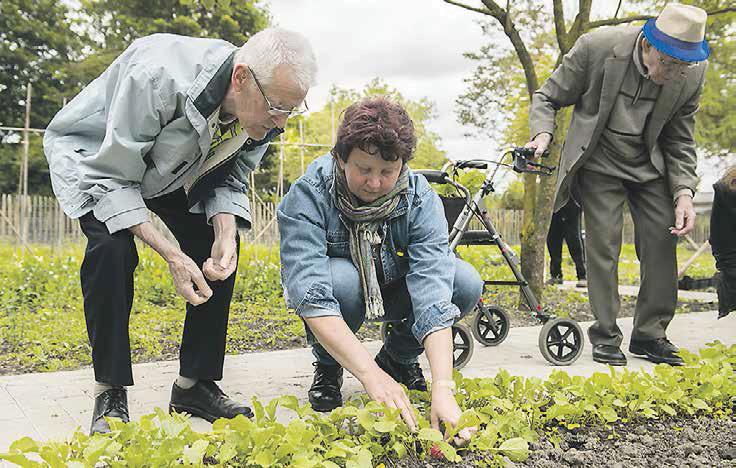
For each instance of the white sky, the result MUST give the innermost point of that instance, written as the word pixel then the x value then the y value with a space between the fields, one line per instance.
pixel 415 46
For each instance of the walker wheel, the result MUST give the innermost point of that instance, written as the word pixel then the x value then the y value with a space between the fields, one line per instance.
pixel 490 325
pixel 462 345
pixel 561 341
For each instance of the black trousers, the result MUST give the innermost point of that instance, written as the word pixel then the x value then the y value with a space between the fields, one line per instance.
pixel 723 244
pixel 565 225
pixel 107 286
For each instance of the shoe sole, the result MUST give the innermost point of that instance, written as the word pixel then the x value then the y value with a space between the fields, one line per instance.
pixel 610 361
pixel 655 359
pixel 323 409
pixel 198 412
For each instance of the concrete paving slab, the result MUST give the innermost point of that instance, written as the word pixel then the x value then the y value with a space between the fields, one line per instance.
pixel 629 290
pixel 270 374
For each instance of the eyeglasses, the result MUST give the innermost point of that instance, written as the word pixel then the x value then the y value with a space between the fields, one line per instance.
pixel 276 111
pixel 675 66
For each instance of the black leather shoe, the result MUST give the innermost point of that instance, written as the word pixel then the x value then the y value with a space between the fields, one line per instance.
pixel 111 403
pixel 206 400
pixel 324 394
pixel 658 351
pixel 609 354
pixel 408 374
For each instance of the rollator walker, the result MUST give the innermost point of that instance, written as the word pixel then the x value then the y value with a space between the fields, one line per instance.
pixel 561 339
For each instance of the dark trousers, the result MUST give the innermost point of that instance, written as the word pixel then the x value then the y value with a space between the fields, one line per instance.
pixel 651 208
pixel 107 287
pixel 723 243
pixel 565 225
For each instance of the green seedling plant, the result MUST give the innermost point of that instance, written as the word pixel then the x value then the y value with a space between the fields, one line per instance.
pixel 510 412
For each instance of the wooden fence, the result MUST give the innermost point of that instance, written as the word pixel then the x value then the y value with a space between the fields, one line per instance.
pixel 46 223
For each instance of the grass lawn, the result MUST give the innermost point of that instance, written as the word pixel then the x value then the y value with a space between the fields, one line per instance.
pixel 42 324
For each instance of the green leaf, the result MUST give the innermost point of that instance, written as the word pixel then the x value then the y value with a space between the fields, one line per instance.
pixel 399 449
pixel 264 458
pixel 23 445
pixel 195 453
pixel 227 452
pixel 429 434
pixel 449 452
pixel 608 414
pixel 19 459
pixel 700 404
pixel 385 426
pixel 517 449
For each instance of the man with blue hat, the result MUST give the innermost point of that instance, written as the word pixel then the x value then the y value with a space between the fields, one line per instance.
pixel 635 93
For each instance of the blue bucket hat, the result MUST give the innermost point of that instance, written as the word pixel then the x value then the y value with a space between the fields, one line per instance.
pixel 679 31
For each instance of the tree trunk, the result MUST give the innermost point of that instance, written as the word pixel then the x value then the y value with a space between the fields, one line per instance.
pixel 539 195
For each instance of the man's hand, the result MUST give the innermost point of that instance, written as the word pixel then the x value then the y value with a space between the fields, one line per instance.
pixel 445 410
pixel 223 261
pixel 224 253
pixel 684 216
pixel 188 280
pixel 540 143
pixel 383 389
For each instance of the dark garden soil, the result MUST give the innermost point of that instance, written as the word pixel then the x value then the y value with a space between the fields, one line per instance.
pixel 693 443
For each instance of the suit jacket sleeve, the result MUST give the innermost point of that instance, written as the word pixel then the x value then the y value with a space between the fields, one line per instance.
pixel 563 88
pixel 677 142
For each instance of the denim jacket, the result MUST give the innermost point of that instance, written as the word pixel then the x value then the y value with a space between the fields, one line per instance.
pixel 415 247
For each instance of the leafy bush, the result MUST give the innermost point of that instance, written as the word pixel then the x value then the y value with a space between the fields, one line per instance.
pixel 510 412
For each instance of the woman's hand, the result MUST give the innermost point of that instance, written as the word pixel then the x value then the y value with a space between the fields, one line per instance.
pixel 445 410
pixel 383 389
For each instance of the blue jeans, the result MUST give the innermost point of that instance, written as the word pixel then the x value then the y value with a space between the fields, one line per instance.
pixel 401 345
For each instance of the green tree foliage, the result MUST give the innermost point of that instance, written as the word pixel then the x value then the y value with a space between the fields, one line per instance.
pixel 60 49
pixel 114 24
pixel 36 39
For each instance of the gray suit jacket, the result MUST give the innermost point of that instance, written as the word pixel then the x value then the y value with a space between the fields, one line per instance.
pixel 589 78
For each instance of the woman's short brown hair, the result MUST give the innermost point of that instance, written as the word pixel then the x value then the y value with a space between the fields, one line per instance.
pixel 376 125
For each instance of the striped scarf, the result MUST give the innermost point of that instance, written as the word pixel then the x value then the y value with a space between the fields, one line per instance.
pixel 364 222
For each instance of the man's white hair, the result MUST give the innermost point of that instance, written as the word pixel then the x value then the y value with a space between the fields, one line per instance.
pixel 272 47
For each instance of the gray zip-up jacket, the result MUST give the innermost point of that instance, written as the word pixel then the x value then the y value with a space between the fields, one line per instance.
pixel 140 129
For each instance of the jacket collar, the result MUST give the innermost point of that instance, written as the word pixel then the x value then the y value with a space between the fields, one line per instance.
pixel 206 94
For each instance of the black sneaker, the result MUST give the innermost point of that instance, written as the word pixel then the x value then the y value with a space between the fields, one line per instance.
pixel 207 401
pixel 324 394
pixel 111 403
pixel 659 351
pixel 408 374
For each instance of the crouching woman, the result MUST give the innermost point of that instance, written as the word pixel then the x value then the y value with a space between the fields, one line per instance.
pixel 365 238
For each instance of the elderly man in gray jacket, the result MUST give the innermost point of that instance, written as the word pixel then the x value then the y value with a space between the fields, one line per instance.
pixel 636 92
pixel 175 125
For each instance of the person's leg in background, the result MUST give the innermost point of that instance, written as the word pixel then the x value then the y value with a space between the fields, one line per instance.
pixel 554 246
pixel 574 240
